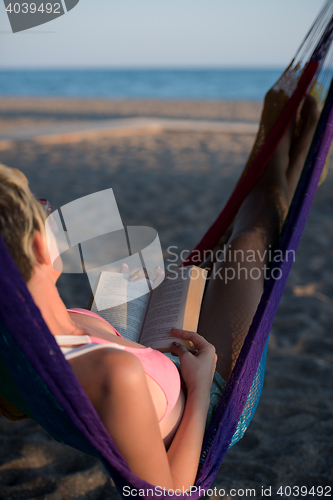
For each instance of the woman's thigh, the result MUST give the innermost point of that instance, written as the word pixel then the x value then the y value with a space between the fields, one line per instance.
pixel 231 298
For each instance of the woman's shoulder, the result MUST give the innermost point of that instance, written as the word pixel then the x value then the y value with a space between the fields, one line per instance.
pixel 86 312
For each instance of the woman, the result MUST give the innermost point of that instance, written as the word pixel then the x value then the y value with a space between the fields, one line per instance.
pixel 157 429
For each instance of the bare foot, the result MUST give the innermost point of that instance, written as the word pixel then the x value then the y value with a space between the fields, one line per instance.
pixel 268 203
pixel 301 144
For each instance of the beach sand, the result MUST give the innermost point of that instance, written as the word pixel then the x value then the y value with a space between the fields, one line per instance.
pixel 178 183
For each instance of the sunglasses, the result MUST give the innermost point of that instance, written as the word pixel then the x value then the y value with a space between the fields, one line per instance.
pixel 46 204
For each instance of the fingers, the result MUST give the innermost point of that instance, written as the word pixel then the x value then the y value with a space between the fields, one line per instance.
pixel 178 349
pixel 136 276
pixel 158 271
pixel 140 274
pixel 194 337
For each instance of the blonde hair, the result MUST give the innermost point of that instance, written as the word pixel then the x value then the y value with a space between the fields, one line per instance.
pixel 20 216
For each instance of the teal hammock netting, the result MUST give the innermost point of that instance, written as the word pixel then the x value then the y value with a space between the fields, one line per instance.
pixel 36 378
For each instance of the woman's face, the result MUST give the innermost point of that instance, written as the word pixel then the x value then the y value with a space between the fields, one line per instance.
pixel 41 248
pixel 51 246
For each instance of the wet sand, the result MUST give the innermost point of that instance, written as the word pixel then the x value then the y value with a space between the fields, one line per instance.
pixel 177 182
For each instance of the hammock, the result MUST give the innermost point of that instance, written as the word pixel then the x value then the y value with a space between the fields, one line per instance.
pixel 36 378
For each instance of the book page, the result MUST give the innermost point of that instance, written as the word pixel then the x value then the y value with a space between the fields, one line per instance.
pixel 166 310
pixel 122 303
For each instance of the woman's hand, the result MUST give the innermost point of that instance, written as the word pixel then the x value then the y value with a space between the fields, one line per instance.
pixel 197 371
pixel 197 367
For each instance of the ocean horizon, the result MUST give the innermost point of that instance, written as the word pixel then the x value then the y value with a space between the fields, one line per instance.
pixel 157 83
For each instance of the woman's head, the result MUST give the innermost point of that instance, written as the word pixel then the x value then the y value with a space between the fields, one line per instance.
pixel 20 217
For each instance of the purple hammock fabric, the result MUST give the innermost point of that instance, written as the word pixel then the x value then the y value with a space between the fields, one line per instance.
pixel 58 402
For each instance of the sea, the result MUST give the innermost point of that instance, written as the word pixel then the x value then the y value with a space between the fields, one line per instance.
pixel 198 84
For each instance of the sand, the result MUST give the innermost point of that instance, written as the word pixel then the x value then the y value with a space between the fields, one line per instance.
pixel 177 182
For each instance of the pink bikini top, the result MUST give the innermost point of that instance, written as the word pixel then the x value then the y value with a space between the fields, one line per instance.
pixel 155 364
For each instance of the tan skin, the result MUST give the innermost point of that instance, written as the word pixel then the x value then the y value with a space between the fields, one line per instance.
pixel 115 381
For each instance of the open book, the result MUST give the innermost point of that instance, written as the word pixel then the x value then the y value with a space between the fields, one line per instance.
pixel 145 315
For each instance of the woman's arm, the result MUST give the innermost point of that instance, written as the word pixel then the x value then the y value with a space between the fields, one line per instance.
pixel 120 394
pixel 197 372
pixel 184 452
pixel 116 385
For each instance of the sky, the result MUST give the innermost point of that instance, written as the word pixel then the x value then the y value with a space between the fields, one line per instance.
pixel 156 33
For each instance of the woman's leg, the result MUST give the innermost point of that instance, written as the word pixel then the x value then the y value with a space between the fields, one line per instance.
pixel 236 284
